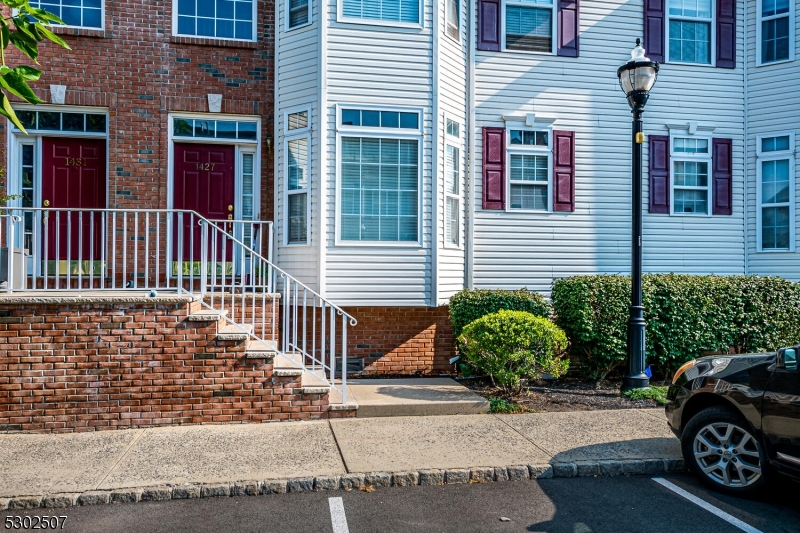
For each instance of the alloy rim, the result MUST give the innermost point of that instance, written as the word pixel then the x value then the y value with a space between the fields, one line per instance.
pixel 728 454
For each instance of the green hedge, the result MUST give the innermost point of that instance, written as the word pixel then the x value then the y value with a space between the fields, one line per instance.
pixel 470 305
pixel 685 315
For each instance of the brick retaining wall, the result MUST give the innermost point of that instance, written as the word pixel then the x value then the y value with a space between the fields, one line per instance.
pixel 78 367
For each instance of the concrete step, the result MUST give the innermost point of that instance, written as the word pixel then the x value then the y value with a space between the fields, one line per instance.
pixel 206 315
pixel 413 397
pixel 288 364
pixel 263 350
pixel 234 333
pixel 312 384
pixel 335 402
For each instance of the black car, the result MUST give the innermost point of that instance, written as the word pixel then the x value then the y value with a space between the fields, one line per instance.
pixel 738 418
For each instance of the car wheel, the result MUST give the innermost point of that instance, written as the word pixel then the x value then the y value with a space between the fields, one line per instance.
pixel 719 447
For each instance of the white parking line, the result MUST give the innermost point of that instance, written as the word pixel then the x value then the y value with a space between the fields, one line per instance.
pixel 338 520
pixel 707 506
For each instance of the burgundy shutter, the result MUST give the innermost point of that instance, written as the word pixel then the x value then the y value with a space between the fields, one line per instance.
pixel 659 174
pixel 564 171
pixel 568 28
pixel 494 168
pixel 722 175
pixel 726 33
pixel 489 25
pixel 654 17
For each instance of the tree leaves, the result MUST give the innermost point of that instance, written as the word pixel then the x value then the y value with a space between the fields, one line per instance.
pixel 26 31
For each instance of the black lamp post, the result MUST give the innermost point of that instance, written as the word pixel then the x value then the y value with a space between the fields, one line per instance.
pixel 637 77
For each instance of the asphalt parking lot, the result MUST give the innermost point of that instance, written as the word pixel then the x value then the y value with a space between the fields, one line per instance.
pixel 578 505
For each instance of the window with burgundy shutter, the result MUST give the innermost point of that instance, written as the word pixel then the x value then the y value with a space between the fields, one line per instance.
pixel 654 13
pixel 546 26
pixel 564 171
pixel 722 176
pixel 494 168
pixel 690 168
pixel 726 33
pixel 529 169
pixel 681 31
pixel 659 182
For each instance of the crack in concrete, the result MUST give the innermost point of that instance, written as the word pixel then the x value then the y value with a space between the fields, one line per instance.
pixel 121 457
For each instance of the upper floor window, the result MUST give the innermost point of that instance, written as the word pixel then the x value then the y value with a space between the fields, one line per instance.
pixel 690 23
pixel 217 19
pixel 529 25
pixel 691 162
pixel 298 143
pixel 77 13
pixel 406 11
pixel 775 27
pixel 299 12
pixel 453 19
pixel 775 193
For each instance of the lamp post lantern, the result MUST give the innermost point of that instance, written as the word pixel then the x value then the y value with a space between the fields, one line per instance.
pixel 637 77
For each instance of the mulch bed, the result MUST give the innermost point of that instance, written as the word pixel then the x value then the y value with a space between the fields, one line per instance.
pixel 566 394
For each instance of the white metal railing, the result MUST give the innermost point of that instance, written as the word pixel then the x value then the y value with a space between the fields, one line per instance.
pixel 7 263
pixel 219 263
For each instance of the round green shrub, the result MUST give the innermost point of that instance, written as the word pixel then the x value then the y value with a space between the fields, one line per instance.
pixel 512 345
pixel 471 304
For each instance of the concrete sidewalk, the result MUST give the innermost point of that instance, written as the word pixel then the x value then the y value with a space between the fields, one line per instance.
pixel 232 460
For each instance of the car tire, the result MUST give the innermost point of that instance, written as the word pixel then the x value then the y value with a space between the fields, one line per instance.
pixel 722 450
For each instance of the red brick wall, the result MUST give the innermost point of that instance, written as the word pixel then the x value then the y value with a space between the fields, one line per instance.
pixel 141 73
pixel 77 367
pixel 402 340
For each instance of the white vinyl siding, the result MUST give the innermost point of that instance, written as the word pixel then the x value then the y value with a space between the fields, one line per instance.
pixel 690 29
pixel 529 25
pixel 691 176
pixel 219 19
pixel 776 189
pixel 775 30
pixel 405 11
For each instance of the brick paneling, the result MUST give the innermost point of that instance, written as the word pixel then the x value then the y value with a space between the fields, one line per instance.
pixel 402 340
pixel 79 367
pixel 141 73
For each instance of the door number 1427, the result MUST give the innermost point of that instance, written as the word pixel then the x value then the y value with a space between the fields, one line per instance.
pixel 205 166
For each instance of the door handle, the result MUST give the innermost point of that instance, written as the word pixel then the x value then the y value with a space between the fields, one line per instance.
pixel 46 203
pixel 230 217
pixel 230 208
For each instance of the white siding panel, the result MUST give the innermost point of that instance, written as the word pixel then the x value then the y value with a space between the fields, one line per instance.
pixel 379 65
pixel 513 250
pixel 773 107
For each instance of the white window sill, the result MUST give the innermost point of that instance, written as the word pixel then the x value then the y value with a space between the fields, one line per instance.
pixel 780 62
pixel 781 251
pixel 688 64
pixel 298 27
pixel 529 52
pixel 223 39
pixel 381 25
pixel 529 211
pixel 378 244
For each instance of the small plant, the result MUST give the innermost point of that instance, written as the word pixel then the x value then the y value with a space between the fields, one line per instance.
pixel 655 393
pixel 501 405
pixel 470 305
pixel 509 346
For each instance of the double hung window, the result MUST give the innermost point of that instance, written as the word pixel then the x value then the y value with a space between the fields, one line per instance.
pixel 453 19
pixel 690 31
pixel 691 182
pixel 298 140
pixel 529 167
pixel 452 184
pixel 216 19
pixel 403 11
pixel 379 175
pixel 775 30
pixel 529 25
pixel 298 13
pixel 776 186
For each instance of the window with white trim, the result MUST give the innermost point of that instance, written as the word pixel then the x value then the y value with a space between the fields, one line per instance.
pixel 298 140
pixel 453 19
pixel 75 13
pixel 379 174
pixel 407 11
pixel 529 163
pixel 529 25
pixel 691 178
pixel 217 19
pixel 690 24
pixel 776 185
pixel 452 184
pixel 775 39
pixel 298 13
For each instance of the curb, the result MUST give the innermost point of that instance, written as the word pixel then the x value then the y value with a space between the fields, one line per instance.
pixel 347 482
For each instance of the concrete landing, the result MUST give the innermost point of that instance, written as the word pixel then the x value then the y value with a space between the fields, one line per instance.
pixel 413 397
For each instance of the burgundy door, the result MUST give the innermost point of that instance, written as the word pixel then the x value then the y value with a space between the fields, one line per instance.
pixel 74 177
pixel 204 182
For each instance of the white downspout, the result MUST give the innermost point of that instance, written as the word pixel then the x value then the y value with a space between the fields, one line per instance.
pixel 470 226
pixel 434 300
pixel 746 146
pixel 320 131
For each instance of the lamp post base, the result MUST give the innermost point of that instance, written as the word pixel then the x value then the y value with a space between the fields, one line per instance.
pixel 635 381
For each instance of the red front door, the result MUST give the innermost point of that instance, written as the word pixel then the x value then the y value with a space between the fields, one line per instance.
pixel 204 182
pixel 74 177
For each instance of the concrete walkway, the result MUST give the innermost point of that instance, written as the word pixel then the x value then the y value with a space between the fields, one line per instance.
pixel 222 460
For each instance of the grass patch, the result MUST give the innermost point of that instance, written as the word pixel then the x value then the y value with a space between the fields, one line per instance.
pixel 501 405
pixel 655 393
